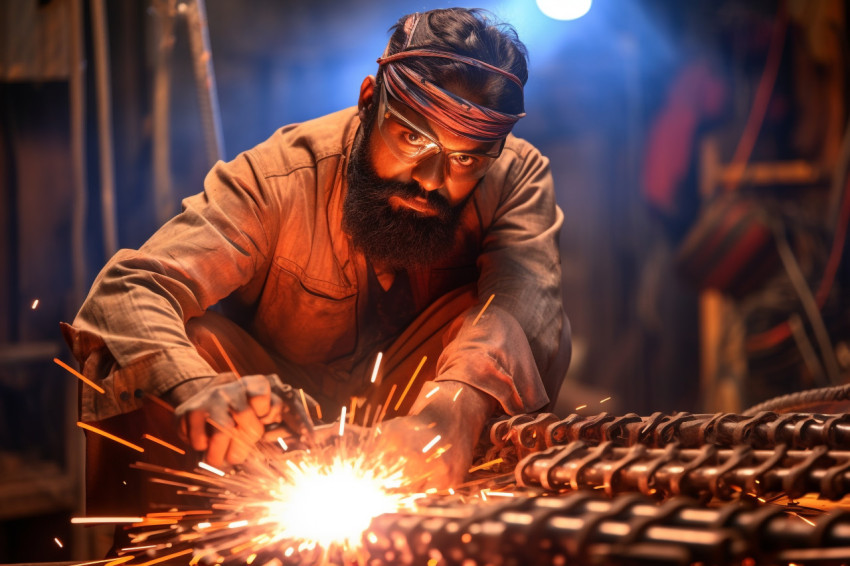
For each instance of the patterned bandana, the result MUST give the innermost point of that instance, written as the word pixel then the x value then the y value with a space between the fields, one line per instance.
pixel 454 113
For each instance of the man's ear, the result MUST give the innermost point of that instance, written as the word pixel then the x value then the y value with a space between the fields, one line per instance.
pixel 367 97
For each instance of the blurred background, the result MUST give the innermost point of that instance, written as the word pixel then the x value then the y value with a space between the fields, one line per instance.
pixel 699 151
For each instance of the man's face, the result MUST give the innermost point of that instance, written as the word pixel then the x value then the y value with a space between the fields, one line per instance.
pixel 401 213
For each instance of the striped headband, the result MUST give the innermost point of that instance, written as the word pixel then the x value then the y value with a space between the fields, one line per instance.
pixel 454 113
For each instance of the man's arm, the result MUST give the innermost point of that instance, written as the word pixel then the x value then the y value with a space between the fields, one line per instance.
pixel 129 335
pixel 514 351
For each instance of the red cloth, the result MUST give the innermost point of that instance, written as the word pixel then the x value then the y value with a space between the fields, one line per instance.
pixel 695 95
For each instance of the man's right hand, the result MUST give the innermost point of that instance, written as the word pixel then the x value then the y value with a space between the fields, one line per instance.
pixel 230 414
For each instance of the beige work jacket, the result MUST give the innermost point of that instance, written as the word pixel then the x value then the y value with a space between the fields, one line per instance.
pixel 265 238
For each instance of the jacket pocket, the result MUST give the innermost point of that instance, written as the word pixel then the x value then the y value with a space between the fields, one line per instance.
pixel 306 319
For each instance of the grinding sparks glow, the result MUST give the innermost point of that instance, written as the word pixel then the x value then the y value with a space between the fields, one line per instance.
pixel 311 507
pixel 334 504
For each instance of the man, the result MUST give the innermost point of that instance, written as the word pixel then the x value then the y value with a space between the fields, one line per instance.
pixel 382 229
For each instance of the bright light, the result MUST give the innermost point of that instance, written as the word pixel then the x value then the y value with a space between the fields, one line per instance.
pixel 564 9
pixel 334 504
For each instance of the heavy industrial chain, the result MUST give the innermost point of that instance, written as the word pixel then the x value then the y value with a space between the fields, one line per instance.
pixel 703 473
pixel 582 528
pixel 511 439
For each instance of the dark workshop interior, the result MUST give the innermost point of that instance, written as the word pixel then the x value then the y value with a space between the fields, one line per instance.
pixel 699 149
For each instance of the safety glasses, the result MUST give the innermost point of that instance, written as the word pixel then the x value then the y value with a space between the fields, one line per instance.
pixel 409 143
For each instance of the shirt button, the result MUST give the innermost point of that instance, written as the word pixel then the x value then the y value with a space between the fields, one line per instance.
pixel 125 396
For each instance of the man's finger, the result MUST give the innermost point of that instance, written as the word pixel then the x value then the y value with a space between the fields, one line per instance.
pixel 219 442
pixel 259 392
pixel 196 423
pixel 248 426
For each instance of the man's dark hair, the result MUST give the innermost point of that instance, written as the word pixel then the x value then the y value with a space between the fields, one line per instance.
pixel 473 33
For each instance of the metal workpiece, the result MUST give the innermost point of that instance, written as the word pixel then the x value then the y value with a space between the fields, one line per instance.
pixel 584 527
pixel 704 473
pixel 512 438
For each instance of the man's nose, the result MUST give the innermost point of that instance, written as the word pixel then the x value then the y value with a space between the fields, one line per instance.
pixel 430 172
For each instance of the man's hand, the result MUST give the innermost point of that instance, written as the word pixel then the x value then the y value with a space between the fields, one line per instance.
pixel 230 414
pixel 455 412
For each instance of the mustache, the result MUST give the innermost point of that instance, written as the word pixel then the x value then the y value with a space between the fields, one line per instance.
pixel 411 190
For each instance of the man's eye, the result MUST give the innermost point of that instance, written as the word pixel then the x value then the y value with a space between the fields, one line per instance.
pixel 464 160
pixel 413 138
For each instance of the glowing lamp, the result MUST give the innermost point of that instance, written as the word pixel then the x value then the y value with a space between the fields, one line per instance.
pixel 564 9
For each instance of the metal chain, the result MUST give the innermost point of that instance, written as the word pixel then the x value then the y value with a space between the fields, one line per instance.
pixel 583 527
pixel 513 438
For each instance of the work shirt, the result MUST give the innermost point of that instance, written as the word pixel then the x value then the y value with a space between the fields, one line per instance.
pixel 264 241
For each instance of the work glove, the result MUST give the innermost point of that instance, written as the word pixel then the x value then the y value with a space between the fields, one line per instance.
pixel 230 415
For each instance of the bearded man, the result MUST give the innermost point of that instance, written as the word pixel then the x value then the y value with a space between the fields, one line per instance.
pixel 415 226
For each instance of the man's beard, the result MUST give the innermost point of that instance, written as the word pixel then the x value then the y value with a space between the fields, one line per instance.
pixel 399 238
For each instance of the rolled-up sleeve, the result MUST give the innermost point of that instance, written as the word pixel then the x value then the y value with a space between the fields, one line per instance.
pixel 505 351
pixel 129 335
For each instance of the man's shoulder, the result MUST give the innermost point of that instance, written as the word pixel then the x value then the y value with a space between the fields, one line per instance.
pixel 305 144
pixel 519 148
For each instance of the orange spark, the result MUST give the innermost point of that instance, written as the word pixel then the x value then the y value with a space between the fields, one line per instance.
pixel 304 401
pixel 366 414
pixel 428 396
pixel 379 415
pixel 166 557
pixel 580 407
pixel 342 421
pixel 409 383
pixel 135 447
pixel 457 395
pixel 180 514
pixel 34 304
pixel 160 402
pixel 122 560
pixel 484 308
pixel 80 376
pixel 197 558
pixel 97 520
pixel 225 356
pixel 605 399
pixel 485 465
pixel 353 408
pixel 56 539
pixel 163 443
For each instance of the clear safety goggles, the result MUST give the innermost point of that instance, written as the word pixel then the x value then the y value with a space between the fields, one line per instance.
pixel 409 143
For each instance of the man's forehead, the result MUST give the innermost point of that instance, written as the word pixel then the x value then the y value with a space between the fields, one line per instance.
pixel 452 112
